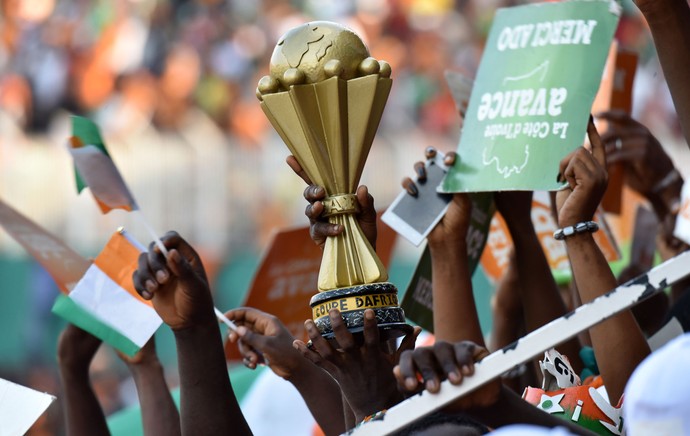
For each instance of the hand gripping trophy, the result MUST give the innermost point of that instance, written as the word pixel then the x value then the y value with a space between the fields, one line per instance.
pixel 325 97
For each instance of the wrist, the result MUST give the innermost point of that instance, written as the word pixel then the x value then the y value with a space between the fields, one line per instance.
pixel 145 369
pixel 666 201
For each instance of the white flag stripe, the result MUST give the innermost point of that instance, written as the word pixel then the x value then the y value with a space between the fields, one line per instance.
pixel 102 177
pixel 116 307
pixel 20 407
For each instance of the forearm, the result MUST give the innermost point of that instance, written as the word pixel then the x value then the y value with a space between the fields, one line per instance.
pixel 158 411
pixel 208 404
pixel 621 332
pixel 455 313
pixel 83 413
pixel 669 22
pixel 541 300
pixel 511 409
pixel 322 395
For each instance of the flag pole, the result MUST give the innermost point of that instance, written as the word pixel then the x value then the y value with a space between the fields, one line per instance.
pixel 142 219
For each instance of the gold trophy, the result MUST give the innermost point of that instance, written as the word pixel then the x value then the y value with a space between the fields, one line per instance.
pixel 325 96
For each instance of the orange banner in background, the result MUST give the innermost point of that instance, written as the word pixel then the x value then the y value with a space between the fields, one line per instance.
pixel 495 258
pixel 288 274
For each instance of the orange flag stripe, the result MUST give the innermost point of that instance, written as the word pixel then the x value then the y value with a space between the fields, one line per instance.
pixel 118 260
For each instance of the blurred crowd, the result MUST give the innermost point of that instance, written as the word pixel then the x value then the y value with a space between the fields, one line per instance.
pixel 172 84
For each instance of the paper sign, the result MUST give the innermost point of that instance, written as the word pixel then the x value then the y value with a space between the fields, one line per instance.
pixel 532 96
pixel 682 230
pixel 287 278
pixel 20 407
pixel 417 302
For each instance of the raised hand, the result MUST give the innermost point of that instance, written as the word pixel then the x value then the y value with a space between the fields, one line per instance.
pixel 76 349
pixel 420 169
pixel 585 173
pixel 631 143
pixel 319 227
pixel 363 371
pixel 263 339
pixel 177 286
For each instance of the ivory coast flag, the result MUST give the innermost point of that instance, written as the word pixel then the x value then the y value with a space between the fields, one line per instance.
pixel 105 303
pixel 94 168
pixel 64 264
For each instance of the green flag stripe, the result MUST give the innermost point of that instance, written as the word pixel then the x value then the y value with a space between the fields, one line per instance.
pixel 72 312
pixel 87 131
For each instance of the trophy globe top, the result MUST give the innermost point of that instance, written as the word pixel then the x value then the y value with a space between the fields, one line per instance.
pixel 316 51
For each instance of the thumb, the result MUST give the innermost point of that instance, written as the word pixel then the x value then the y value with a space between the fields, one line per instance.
pixel 179 265
pixel 254 340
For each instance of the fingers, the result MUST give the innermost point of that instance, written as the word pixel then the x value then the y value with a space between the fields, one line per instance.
pixel 157 264
pixel 598 150
pixel 408 341
pixel 367 211
pixel 371 331
pixel 319 344
pixel 297 168
pixel 143 278
pixel 410 187
pixel 179 266
pixel 405 371
pixel 250 357
pixel 420 170
pixel 345 339
pixel 313 193
pixel 465 353
pixel 446 358
pixel 450 158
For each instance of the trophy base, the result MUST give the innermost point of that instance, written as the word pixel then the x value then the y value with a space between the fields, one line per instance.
pixel 382 298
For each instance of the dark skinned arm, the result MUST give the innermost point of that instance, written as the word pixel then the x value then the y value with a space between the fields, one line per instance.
pixel 541 300
pixel 669 21
pixel 263 339
pixel 83 413
pixel 159 414
pixel 178 288
pixel 455 313
pixel 618 342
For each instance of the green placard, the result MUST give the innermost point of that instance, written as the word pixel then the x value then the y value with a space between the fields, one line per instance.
pixel 531 100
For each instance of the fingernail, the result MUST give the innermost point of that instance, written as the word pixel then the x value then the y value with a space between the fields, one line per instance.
pixel 151 285
pixel 146 295
pixel 454 377
pixel 466 370
pixel 431 385
pixel 241 330
pixel 161 276
pixel 295 346
pixel 421 173
pixel 410 383
pixel 369 314
pixel 430 152
pixel 410 187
